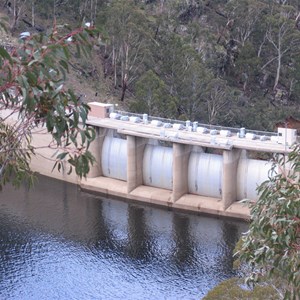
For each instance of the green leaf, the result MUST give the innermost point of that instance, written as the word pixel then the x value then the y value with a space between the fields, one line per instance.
pixel 64 64
pixel 61 156
pixel 5 55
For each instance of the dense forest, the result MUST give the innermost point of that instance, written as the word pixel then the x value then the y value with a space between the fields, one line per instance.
pixel 227 62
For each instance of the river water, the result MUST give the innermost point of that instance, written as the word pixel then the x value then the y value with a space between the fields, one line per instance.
pixel 58 242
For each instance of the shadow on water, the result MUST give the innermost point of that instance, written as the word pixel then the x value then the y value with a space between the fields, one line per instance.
pixel 68 244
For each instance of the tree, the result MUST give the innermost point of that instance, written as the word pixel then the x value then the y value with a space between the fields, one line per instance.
pixel 152 97
pixel 192 89
pixel 128 30
pixel 219 98
pixel 243 16
pixel 34 96
pixel 86 9
pixel 183 73
pixel 272 244
pixel 283 38
pixel 15 9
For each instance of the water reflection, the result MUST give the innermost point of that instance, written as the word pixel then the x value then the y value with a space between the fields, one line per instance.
pixel 58 241
pixel 139 239
pixel 230 236
pixel 184 242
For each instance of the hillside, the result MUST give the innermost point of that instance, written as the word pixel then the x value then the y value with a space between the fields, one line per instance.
pixel 85 75
pixel 234 63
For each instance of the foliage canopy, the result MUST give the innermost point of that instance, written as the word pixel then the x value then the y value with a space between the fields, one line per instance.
pixel 272 244
pixel 34 97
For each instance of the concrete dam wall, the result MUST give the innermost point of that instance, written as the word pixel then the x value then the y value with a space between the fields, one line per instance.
pixel 204 171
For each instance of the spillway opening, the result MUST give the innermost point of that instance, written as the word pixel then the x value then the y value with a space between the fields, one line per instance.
pixel 251 173
pixel 158 166
pixel 205 174
pixel 114 158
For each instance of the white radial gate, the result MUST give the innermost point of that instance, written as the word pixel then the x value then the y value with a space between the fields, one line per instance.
pixel 205 174
pixel 114 158
pixel 158 167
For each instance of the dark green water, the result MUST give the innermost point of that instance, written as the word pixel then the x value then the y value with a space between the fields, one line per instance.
pixel 57 242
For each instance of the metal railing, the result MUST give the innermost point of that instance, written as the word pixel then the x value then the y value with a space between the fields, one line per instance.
pixel 233 130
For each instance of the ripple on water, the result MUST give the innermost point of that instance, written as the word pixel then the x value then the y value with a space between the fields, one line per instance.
pixel 58 243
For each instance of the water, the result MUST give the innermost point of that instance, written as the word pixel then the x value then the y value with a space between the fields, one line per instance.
pixel 57 242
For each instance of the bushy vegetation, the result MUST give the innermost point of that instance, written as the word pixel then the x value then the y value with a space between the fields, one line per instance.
pixel 235 289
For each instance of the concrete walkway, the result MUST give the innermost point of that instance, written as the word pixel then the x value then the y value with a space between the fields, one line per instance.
pixel 156 196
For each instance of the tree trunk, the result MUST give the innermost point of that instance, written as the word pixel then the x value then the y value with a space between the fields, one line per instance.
pixel 114 63
pixel 15 16
pixel 277 72
pixel 125 70
pixel 124 88
pixel 33 13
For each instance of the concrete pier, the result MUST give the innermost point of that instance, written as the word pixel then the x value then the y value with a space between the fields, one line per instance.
pixel 181 155
pixel 135 150
pixel 230 164
pixel 96 150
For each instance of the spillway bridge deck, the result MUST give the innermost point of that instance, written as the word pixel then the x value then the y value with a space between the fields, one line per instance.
pixel 184 136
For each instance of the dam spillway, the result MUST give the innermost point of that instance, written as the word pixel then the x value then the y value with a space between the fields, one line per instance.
pixel 184 166
pixel 204 170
